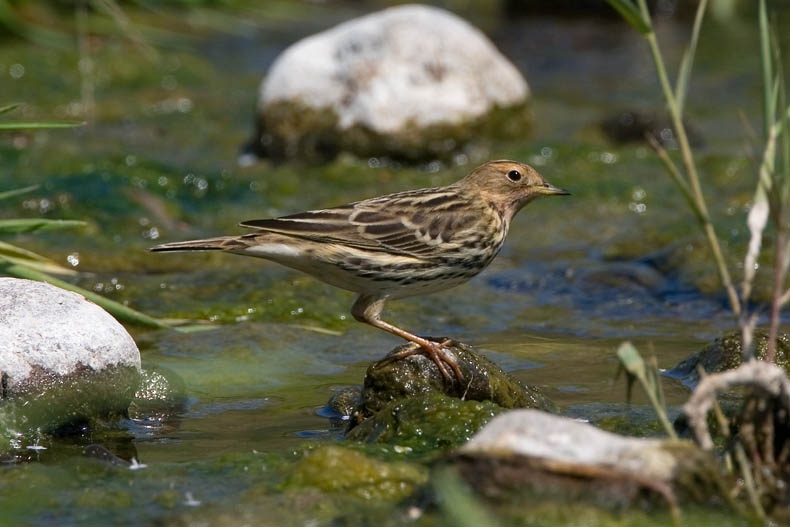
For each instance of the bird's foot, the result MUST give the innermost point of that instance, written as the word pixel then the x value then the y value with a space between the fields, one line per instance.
pixel 437 352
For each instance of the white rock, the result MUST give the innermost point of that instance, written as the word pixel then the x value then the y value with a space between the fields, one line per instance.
pixel 43 327
pixel 410 64
pixel 537 434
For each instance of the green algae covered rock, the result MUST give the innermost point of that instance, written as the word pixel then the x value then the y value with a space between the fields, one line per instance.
pixel 389 380
pixel 407 402
pixel 337 469
pixel 426 423
pixel 726 353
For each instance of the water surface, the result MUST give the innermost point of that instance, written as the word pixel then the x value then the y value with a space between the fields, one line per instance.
pixel 577 276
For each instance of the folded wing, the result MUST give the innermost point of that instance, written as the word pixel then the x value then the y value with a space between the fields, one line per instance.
pixel 422 224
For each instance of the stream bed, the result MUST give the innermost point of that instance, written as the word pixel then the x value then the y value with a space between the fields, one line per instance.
pixel 621 259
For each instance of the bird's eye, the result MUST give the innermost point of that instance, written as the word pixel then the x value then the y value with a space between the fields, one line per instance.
pixel 514 175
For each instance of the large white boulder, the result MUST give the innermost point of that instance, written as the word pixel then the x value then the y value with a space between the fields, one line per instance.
pixel 62 358
pixel 45 329
pixel 396 71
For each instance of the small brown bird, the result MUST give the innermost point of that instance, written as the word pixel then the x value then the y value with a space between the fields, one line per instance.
pixel 404 244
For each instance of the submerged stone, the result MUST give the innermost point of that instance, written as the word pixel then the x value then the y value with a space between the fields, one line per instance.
pixel 726 353
pixel 63 359
pixel 161 396
pixel 635 126
pixel 342 405
pixel 411 81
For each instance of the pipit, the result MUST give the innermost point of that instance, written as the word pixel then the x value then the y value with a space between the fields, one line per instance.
pixel 404 244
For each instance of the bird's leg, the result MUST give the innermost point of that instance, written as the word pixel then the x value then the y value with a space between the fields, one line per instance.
pixel 368 309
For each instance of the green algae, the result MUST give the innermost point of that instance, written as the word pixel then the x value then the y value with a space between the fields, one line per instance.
pixel 337 469
pixel 389 380
pixel 52 402
pixel 292 130
pixel 427 424
pixel 726 353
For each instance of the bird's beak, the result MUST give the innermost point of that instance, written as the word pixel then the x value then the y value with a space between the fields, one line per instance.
pixel 551 190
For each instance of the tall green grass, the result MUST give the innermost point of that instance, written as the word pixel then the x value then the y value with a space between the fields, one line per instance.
pixel 18 262
pixel 769 215
pixel 771 202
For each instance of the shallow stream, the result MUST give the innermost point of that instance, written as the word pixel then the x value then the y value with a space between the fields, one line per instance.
pixel 621 259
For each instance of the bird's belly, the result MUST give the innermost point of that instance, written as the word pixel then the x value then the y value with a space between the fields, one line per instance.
pixel 423 287
pixel 402 279
pixel 374 272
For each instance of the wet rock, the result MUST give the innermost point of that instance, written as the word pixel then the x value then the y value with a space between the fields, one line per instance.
pixel 634 126
pixel 686 261
pixel 483 380
pixel 628 277
pixel 410 82
pixel 425 424
pixel 336 469
pixel 407 402
pixel 726 353
pixel 62 359
pixel 525 453
pixel 342 405
pixel 345 401
pixel 160 397
pixel 104 455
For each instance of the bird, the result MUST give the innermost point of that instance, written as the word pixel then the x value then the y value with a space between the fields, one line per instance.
pixel 404 244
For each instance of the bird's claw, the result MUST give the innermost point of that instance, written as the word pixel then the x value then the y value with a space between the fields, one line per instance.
pixel 437 352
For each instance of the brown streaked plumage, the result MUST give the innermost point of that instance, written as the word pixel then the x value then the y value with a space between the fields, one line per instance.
pixel 399 245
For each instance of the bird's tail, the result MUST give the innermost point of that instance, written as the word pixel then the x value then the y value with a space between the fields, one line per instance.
pixel 222 243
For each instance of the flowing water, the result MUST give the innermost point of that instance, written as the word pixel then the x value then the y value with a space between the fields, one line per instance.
pixel 620 259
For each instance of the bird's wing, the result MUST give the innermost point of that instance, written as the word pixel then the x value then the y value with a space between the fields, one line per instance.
pixel 409 223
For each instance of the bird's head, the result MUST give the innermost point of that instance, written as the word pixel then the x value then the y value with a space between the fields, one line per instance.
pixel 509 185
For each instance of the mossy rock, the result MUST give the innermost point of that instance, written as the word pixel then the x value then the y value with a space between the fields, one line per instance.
pixel 389 380
pixel 291 130
pixel 337 469
pixel 61 402
pixel 726 353
pixel 427 423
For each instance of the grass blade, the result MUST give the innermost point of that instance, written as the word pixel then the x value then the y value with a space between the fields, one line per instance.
pixel 19 226
pixel 686 64
pixel 17 255
pixel 117 14
pixel 37 125
pixel 783 124
pixel 9 107
pixel 648 377
pixel 11 193
pixel 677 177
pixel 632 15
pixel 769 108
